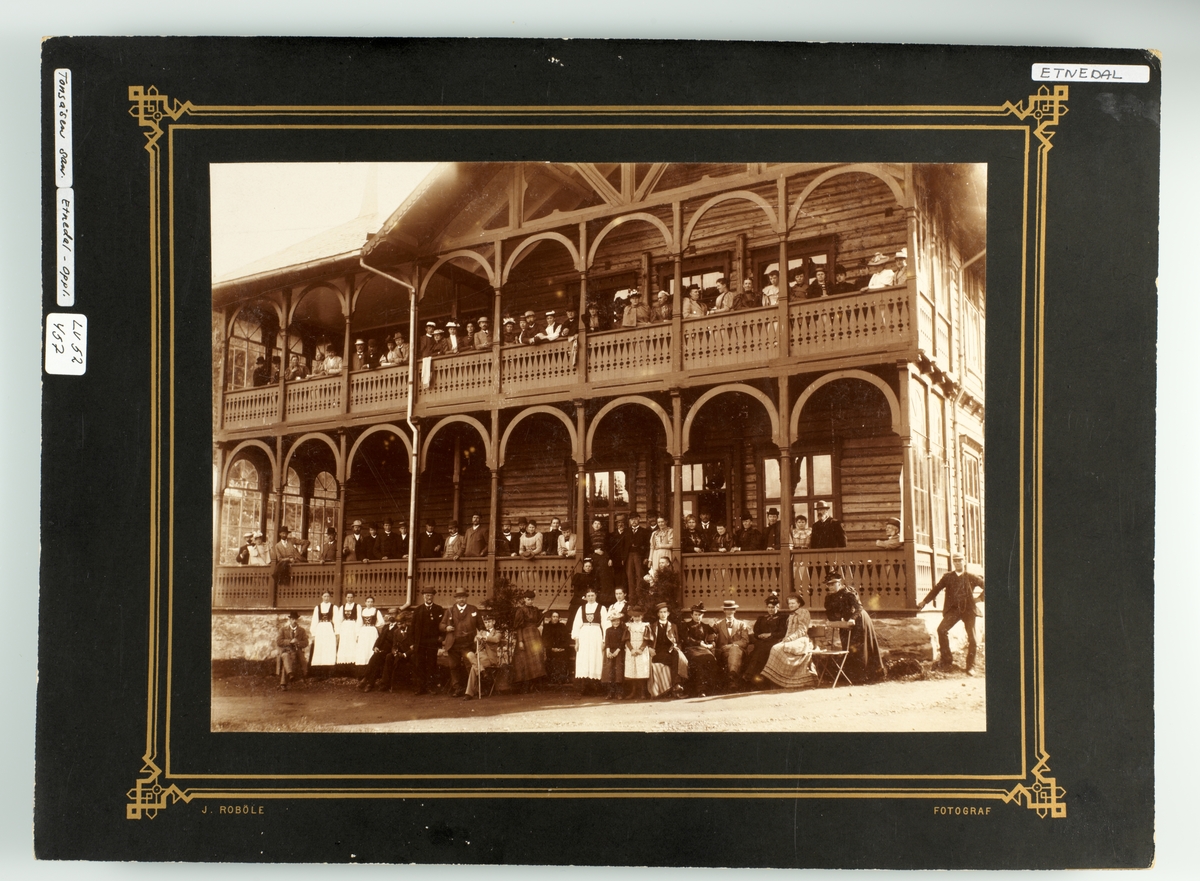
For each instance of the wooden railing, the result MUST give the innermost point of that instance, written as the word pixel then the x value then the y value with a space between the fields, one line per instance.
pixel 444 577
pixel 242 587
pixel 879 576
pixel 852 322
pixel 625 354
pixel 746 578
pixel 309 399
pixel 458 377
pixel 731 338
pixel 526 368
pixel 384 580
pixel 384 389
pixel 251 407
pixel 543 575
pixel 308 582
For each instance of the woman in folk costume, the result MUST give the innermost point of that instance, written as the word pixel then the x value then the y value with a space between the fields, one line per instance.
pixel 666 661
pixel 865 661
pixel 789 664
pixel 370 619
pixel 528 663
pixel 591 621
pixel 661 540
pixel 325 618
pixel 637 653
pixel 347 631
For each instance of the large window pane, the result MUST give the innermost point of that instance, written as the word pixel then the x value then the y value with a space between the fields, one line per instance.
pixel 823 475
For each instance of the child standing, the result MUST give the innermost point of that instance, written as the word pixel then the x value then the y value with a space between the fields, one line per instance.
pixel 637 653
pixel 613 674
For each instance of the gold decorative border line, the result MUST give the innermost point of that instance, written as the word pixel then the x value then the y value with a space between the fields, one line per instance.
pixel 1040 113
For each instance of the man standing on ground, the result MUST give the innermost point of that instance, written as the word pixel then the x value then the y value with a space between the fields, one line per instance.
pixel 425 638
pixel 959 586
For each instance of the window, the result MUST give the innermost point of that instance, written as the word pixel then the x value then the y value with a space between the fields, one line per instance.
pixel 322 513
pixel 972 508
pixel 607 496
pixel 937 475
pixel 813 476
pixel 241 509
pixel 806 254
pixel 245 347
pixel 703 490
pixel 703 270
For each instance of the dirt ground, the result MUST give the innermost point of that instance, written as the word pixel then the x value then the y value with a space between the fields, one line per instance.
pixel 932 701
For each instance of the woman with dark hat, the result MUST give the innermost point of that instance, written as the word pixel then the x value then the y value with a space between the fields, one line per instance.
pixel 865 662
pixel 699 640
pixel 789 664
pixel 529 662
pixel 769 629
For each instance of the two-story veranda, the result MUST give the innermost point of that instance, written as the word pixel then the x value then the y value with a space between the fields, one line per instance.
pixel 871 400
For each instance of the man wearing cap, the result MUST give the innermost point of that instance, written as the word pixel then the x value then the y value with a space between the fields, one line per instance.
pixel 528 334
pixel 293 649
pixel 262 373
pixel 891 540
pixel 771 537
pixel 441 346
pixel 427 618
pixel 427 341
pixel 826 532
pixel 638 557
pixel 455 544
pixel 459 623
pixel 554 330
pixel 391 647
pixel 770 293
pixel 636 312
pixel 769 629
pixel 959 586
pixel 359 360
pixel 487 654
pixel 747 538
pixel 351 545
pixel 329 548
pixel 477 538
pixel 841 284
pixel 483 336
pixel 733 638
pixel 429 543
pixel 881 275
pixel 243 554
pixel 817 289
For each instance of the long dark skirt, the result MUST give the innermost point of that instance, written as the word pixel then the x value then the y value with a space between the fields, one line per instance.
pixel 865 662
pixel 528 655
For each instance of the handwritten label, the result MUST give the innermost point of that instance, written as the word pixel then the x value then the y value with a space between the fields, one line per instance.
pixel 1091 73
pixel 63 172
pixel 66 343
pixel 64 228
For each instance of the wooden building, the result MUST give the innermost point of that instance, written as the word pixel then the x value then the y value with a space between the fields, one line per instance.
pixel 871 400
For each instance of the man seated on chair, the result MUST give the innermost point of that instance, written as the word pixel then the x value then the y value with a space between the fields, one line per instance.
pixel 459 624
pixel 487 654
pixel 293 650
pixel 733 635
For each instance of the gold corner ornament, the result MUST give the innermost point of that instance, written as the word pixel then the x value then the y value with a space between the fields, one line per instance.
pixel 149 108
pixel 1047 107
pixel 1044 795
pixel 148 796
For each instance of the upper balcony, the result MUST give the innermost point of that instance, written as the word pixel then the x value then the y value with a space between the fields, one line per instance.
pixel 888 323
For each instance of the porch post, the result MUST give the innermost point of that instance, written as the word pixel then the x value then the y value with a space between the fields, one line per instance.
pixel 497 341
pixel 223 343
pixel 346 354
pixel 786 580
pixel 785 328
pixel 339 560
pixel 494 509
pixel 581 331
pixel 580 484
pixel 677 483
pixel 280 481
pixel 218 503
pixel 456 478
pixel 281 414
pixel 677 300
pixel 908 512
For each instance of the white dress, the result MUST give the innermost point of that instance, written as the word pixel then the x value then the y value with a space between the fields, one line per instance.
pixel 591 621
pixel 368 632
pixel 324 634
pixel 347 631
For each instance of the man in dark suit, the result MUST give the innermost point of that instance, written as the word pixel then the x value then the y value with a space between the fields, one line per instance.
pixel 459 624
pixel 427 619
pixel 959 586
pixel 733 638
pixel 772 534
pixel 367 547
pixel 429 543
pixel 826 532
pixel 817 288
pixel 387 547
pixel 639 553
pixel 392 646
pixel 477 537
pixel 350 545
pixel 618 553
pixel 706 530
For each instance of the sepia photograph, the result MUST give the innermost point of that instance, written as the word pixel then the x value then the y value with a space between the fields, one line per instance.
pixel 598 446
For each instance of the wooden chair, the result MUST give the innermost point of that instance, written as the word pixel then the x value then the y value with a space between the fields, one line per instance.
pixel 828 653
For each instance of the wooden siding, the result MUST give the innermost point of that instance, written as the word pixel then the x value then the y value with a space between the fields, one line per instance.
pixel 870 487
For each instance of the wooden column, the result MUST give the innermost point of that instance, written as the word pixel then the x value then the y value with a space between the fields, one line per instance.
pixel 580 483
pixel 346 353
pixel 677 299
pixel 222 379
pixel 281 414
pixel 218 503
pixel 785 329
pixel 786 485
pixel 494 511
pixel 581 337
pixel 497 341
pixel 908 510
pixel 456 477
pixel 280 481
pixel 339 578
pixel 677 487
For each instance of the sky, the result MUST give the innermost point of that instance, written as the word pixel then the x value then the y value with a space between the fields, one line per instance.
pixel 261 208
